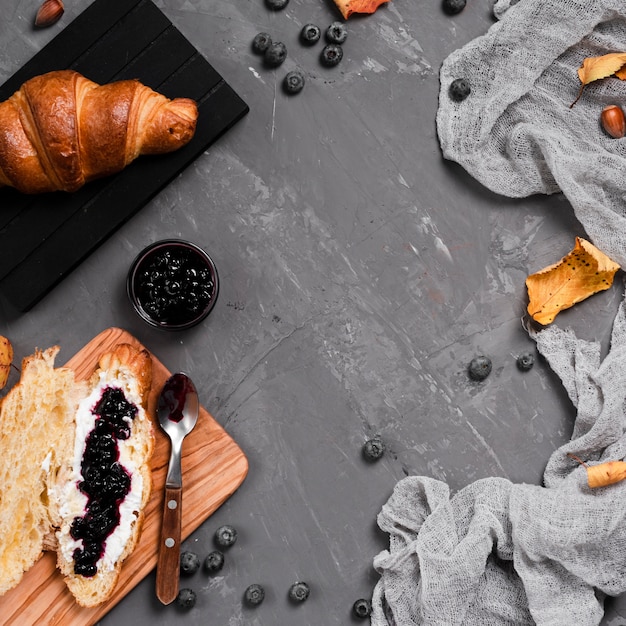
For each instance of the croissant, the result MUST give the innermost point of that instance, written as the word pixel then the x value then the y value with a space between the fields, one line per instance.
pixel 60 130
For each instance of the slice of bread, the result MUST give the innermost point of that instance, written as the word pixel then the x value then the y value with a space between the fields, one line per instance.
pixel 37 435
pixel 48 421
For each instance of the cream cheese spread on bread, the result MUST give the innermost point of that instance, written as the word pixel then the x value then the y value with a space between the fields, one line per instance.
pixel 74 502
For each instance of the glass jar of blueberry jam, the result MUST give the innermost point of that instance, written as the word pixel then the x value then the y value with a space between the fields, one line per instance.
pixel 173 284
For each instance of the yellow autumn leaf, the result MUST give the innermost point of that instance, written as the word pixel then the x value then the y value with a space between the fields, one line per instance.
pixel 578 275
pixel 595 68
pixel 6 359
pixel 621 74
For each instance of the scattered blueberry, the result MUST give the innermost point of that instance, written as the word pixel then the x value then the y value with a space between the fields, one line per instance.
pixel 254 595
pixel 331 55
pixel 459 89
pixel 189 563
pixel 310 34
pixel 362 608
pixel 275 54
pixel 225 536
pixel 373 449
pixel 214 562
pixel 336 33
pixel 293 82
pixel 479 368
pixel 452 7
pixel 276 5
pixel 525 362
pixel 186 598
pixel 261 42
pixel 299 592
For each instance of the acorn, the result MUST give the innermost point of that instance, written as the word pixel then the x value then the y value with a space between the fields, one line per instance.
pixel 49 13
pixel 613 121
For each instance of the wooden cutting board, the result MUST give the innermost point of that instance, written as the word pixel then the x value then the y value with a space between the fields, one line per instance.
pixel 213 468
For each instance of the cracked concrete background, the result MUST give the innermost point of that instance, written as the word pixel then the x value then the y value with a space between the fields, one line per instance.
pixel 359 275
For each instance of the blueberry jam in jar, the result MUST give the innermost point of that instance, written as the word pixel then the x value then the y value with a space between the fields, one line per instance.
pixel 173 284
pixel 105 481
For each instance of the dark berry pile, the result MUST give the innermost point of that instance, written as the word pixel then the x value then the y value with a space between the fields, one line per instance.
pixel 293 82
pixel 299 592
pixel 362 608
pixel 175 286
pixel 452 7
pixel 525 362
pixel 254 595
pixel 479 367
pixel 105 482
pixel 373 449
pixel 459 89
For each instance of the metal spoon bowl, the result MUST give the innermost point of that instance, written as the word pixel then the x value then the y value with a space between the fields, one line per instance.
pixel 177 411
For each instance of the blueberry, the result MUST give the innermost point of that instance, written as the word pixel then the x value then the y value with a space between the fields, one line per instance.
pixel 186 598
pixel 261 42
pixel 189 563
pixel 293 82
pixel 275 54
pixel 331 55
pixel 479 368
pixel 214 562
pixel 336 33
pixel 525 362
pixel 225 536
pixel 299 592
pixel 254 595
pixel 373 449
pixel 362 608
pixel 276 5
pixel 452 7
pixel 459 89
pixel 310 34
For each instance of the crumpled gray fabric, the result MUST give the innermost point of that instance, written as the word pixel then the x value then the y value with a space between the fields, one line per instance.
pixel 503 553
pixel 516 132
pixel 497 552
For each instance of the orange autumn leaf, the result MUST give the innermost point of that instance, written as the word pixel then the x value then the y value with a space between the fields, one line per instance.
pixel 348 7
pixel 578 275
pixel 604 474
pixel 595 68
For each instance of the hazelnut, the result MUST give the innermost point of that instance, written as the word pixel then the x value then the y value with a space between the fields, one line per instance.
pixel 49 13
pixel 613 121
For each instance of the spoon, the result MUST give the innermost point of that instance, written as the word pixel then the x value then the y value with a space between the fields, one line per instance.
pixel 177 411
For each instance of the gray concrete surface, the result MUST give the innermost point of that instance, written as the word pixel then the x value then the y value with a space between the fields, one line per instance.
pixel 360 274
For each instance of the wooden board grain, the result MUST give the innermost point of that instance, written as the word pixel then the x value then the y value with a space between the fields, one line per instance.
pixel 43 238
pixel 213 468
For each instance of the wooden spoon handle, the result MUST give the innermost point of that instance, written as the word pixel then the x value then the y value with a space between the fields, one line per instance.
pixel 168 564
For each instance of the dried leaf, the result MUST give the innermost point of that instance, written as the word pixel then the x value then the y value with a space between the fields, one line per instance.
pixel 348 7
pixel 6 359
pixel 578 275
pixel 604 474
pixel 595 68
pixel 621 74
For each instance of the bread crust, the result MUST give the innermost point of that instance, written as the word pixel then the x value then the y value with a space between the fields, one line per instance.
pixel 132 370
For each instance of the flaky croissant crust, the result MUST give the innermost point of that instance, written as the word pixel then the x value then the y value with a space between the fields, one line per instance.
pixel 61 130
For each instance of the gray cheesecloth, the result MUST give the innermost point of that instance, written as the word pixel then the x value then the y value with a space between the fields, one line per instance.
pixel 497 552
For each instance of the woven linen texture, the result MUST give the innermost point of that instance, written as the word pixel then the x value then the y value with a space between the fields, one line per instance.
pixel 497 552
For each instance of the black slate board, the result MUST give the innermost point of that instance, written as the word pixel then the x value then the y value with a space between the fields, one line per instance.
pixel 43 238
